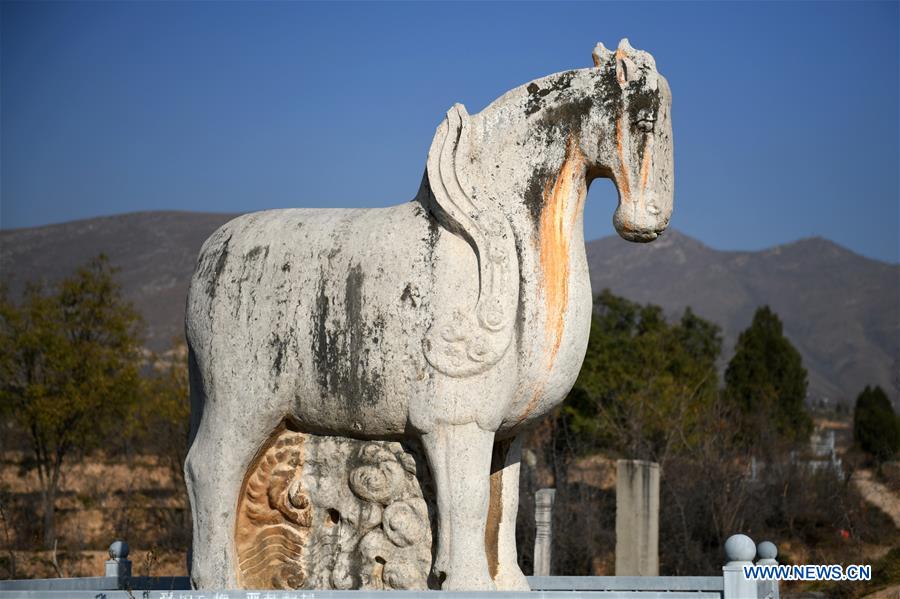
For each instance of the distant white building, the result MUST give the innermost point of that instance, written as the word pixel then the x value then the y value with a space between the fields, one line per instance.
pixel 822 448
pixel 821 455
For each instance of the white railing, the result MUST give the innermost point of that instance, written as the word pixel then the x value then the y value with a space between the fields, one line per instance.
pixel 118 583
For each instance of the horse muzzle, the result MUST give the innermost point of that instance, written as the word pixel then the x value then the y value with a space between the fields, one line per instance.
pixel 642 222
pixel 643 214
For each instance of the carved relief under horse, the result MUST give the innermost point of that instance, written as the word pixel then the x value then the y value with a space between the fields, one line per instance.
pixel 456 319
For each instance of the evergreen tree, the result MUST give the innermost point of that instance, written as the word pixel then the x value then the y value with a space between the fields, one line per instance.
pixel 875 425
pixel 767 382
pixel 69 371
pixel 643 383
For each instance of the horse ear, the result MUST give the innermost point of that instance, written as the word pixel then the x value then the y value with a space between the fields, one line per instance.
pixel 625 46
pixel 626 70
pixel 600 54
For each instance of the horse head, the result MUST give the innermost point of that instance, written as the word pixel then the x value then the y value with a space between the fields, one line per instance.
pixel 629 139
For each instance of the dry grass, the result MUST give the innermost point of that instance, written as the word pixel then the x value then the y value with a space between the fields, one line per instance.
pixel 101 499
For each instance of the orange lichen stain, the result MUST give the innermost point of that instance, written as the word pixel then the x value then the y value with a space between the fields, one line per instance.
pixel 645 164
pixel 532 403
pixel 620 72
pixel 624 184
pixel 557 218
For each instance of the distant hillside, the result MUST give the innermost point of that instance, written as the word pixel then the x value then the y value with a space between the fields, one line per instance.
pixel 156 252
pixel 841 310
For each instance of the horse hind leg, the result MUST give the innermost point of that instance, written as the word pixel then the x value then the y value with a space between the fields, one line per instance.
pixel 500 533
pixel 224 446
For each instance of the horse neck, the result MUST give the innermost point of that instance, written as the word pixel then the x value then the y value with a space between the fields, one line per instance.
pixel 538 175
pixel 540 182
pixel 525 161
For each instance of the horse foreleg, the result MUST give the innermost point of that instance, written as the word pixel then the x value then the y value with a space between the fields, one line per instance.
pixel 504 506
pixel 460 460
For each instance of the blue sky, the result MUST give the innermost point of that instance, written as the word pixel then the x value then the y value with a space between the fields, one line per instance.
pixel 785 114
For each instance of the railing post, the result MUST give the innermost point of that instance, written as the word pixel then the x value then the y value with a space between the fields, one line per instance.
pixel 766 553
pixel 543 526
pixel 118 565
pixel 740 551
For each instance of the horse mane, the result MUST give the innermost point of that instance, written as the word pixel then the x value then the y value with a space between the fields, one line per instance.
pixel 469 341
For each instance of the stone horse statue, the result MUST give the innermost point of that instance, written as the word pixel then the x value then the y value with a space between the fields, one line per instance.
pixel 454 320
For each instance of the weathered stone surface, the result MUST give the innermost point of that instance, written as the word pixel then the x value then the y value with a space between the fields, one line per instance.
pixel 455 319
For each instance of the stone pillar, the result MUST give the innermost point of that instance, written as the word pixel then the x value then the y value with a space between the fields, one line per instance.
pixel 740 551
pixel 543 526
pixel 118 565
pixel 766 552
pixel 637 518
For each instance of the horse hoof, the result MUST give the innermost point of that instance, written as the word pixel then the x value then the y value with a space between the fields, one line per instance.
pixel 464 583
pixel 512 580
